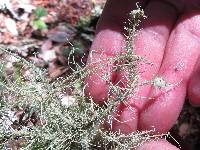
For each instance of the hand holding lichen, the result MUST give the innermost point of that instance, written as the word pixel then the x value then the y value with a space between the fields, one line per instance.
pixel 168 37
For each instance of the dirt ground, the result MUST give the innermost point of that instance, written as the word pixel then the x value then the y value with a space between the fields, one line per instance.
pixel 187 129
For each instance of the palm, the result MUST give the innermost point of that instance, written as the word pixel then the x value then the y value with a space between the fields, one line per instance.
pixel 170 40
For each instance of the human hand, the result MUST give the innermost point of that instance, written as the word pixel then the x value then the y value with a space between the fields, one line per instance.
pixel 170 40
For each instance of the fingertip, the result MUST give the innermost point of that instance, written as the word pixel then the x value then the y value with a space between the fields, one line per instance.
pixel 159 144
pixel 96 86
pixel 98 71
pixel 92 91
pixel 107 43
pixel 124 119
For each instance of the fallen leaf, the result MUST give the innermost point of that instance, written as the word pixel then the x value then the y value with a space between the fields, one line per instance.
pixel 62 33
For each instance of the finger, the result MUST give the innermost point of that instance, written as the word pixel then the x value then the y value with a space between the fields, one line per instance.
pixel 124 119
pixel 181 54
pixel 150 43
pixel 157 145
pixel 194 85
pixel 107 43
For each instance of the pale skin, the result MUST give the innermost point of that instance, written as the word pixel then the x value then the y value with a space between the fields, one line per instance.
pixel 170 39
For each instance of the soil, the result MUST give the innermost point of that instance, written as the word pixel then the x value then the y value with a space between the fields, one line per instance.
pixel 187 129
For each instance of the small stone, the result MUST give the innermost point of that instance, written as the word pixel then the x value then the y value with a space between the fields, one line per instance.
pixel 11 26
pixel 49 55
pixel 183 129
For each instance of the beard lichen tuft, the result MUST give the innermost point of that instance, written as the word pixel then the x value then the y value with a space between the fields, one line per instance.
pixel 35 114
